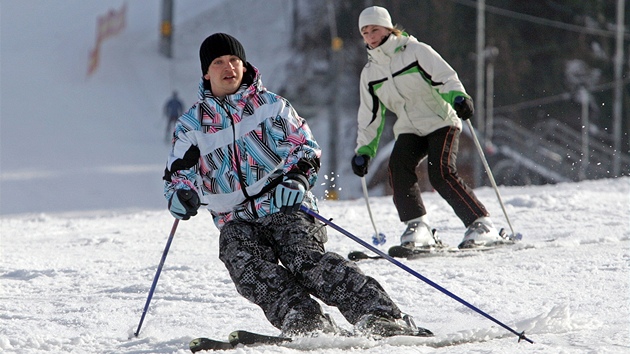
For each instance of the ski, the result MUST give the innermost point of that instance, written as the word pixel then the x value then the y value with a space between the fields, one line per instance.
pixel 439 249
pixel 247 338
pixel 408 253
pixel 234 339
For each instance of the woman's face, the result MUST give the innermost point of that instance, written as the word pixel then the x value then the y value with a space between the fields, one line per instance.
pixel 373 35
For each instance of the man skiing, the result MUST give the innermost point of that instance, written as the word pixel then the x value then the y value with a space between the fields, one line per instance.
pixel 246 154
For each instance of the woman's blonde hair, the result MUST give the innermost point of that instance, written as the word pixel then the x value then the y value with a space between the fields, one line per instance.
pixel 397 30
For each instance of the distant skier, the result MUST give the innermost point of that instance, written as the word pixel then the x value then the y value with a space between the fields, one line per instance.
pixel 412 80
pixel 172 110
pixel 245 153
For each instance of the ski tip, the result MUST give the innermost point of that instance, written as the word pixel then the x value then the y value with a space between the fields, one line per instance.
pixel 357 256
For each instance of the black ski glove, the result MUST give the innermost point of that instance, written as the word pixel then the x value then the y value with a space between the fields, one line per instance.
pixel 360 165
pixel 464 107
pixel 184 204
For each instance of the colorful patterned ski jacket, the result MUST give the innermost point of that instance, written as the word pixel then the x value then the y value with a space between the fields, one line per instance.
pixel 234 152
pixel 412 80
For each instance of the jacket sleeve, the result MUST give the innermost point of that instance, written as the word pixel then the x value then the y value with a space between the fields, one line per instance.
pixel 299 146
pixel 370 119
pixel 182 166
pixel 442 75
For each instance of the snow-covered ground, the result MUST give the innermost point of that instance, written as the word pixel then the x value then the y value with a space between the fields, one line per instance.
pixel 83 223
pixel 78 283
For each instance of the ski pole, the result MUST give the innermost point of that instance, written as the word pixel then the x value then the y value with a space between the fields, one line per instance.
pixel 157 275
pixel 378 238
pixel 489 172
pixel 521 336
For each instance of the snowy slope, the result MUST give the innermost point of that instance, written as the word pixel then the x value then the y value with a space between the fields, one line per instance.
pixel 84 224
pixel 78 284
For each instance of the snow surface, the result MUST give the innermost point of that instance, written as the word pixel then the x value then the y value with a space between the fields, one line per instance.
pixel 84 224
pixel 79 283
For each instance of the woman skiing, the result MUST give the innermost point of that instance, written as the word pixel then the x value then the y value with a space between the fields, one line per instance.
pixel 413 81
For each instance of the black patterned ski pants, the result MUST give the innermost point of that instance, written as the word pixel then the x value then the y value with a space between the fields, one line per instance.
pixel 279 261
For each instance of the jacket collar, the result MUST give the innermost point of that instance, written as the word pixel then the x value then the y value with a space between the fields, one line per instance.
pixel 383 53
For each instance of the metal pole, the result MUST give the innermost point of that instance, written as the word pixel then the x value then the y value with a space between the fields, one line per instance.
pixel 157 275
pixel 618 98
pixel 333 111
pixel 295 22
pixel 584 98
pixel 166 28
pixel 491 53
pixel 479 94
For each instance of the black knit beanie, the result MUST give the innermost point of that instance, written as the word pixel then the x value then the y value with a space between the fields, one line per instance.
pixel 217 45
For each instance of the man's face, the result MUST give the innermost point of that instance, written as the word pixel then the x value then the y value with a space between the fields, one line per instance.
pixel 225 74
pixel 373 35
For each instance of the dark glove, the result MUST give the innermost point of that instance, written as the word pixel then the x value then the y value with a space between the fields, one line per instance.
pixel 360 165
pixel 184 204
pixel 289 195
pixel 464 107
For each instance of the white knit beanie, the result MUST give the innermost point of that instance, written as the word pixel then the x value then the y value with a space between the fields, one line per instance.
pixel 375 15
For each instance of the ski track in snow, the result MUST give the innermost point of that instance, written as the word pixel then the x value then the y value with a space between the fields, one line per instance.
pixel 78 283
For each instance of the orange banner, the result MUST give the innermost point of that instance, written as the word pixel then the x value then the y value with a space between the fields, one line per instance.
pixel 107 26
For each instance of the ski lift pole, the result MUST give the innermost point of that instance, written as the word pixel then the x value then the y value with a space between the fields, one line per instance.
pixel 521 336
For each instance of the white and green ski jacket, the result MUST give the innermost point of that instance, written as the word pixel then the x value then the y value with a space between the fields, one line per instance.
pixel 410 79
